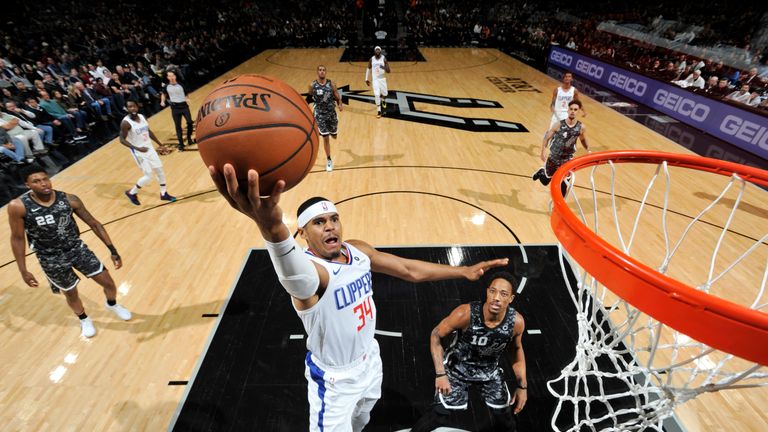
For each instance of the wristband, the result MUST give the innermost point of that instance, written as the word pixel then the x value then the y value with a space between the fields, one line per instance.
pixel 112 250
pixel 522 388
pixel 438 375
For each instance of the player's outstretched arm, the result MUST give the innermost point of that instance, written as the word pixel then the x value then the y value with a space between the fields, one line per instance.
pixel 337 97
pixel 518 366
pixel 420 271
pixel 16 214
pixel 79 208
pixel 458 319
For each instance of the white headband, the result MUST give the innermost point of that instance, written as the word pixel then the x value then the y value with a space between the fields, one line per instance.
pixel 315 210
pixel 377 48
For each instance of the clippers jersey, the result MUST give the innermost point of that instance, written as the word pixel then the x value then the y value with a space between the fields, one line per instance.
pixel 51 229
pixel 563 99
pixel 340 327
pixel 475 354
pixel 377 67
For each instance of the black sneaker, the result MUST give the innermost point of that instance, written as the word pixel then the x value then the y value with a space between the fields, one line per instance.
pixel 134 199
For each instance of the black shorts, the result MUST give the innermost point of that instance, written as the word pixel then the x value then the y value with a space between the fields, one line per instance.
pixel 58 266
pixel 494 391
pixel 327 123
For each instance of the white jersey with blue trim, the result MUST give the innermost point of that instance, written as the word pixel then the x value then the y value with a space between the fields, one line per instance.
pixel 564 97
pixel 138 136
pixel 378 67
pixel 340 327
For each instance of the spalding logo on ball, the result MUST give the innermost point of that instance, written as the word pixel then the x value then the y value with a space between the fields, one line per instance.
pixel 258 122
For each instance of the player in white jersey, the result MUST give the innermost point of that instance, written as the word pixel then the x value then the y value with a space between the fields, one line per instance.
pixel 331 290
pixel 135 134
pixel 561 97
pixel 380 67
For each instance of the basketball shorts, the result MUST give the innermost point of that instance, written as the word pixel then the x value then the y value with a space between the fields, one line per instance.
pixel 336 395
pixel 557 117
pixel 495 392
pixel 555 161
pixel 327 123
pixel 380 87
pixel 147 161
pixel 58 266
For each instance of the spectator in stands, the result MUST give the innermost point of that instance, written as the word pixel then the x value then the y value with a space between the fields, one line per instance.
pixel 710 87
pixel 754 99
pixel 750 78
pixel 12 148
pixel 58 112
pixel 722 89
pixel 25 132
pixel 669 73
pixel 44 122
pixel 117 102
pixel 99 104
pixel 694 80
pixel 741 96
pixel 72 107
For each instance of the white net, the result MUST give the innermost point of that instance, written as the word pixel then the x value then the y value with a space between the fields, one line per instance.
pixel 630 370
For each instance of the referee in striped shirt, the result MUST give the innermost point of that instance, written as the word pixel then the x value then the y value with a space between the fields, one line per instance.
pixel 179 102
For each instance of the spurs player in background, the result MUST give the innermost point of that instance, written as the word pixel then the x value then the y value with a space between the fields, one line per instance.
pixel 561 97
pixel 380 67
pixel 484 332
pixel 45 216
pixel 325 96
pixel 135 134
pixel 561 141
pixel 331 291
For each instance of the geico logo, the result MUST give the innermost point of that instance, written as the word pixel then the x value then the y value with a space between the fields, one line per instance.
pixel 629 84
pixel 590 69
pixel 681 104
pixel 745 130
pixel 562 58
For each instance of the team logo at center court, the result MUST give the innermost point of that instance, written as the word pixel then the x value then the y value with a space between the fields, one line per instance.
pixel 401 105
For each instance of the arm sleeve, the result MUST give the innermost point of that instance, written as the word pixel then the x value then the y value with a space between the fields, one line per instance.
pixel 294 269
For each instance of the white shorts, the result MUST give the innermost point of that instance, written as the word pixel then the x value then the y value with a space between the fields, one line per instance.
pixel 147 161
pixel 336 395
pixel 557 117
pixel 380 86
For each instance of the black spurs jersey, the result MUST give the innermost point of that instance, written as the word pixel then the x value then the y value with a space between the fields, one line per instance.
pixel 475 354
pixel 51 229
pixel 564 141
pixel 322 95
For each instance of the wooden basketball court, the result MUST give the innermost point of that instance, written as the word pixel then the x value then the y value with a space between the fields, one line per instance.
pixel 414 183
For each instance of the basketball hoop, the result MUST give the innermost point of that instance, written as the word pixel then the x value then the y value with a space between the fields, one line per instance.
pixel 659 336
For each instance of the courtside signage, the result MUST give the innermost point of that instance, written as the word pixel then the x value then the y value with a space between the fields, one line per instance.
pixel 739 127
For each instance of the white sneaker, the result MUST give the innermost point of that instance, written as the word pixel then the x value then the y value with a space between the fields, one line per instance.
pixel 122 313
pixel 329 165
pixel 86 328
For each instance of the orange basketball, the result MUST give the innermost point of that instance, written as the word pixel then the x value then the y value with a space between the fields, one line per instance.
pixel 258 122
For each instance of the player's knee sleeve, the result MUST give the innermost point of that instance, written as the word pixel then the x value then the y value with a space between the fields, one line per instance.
pixel 143 180
pixel 160 175
pixel 294 269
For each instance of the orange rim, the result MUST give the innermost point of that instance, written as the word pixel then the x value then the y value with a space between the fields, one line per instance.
pixel 719 323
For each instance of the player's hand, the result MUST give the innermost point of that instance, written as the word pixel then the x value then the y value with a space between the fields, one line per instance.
pixel 117 261
pixel 341 107
pixel 29 278
pixel 476 271
pixel 442 385
pixel 141 149
pixel 265 211
pixel 368 83
pixel 162 104
pixel 519 400
pixel 163 150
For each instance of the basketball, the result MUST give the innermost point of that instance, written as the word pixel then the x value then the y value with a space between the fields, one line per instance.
pixel 258 122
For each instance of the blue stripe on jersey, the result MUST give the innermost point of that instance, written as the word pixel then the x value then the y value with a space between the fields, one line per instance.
pixel 317 376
